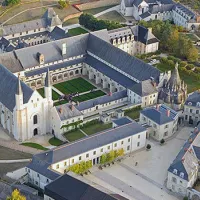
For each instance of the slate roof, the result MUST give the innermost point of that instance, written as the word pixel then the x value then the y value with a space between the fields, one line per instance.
pixel 121 60
pixel 58 33
pixel 65 112
pixel 69 188
pixel 159 116
pixel 8 88
pixel 196 151
pixel 193 99
pixel 128 3
pixel 122 121
pixel 109 72
pixel 144 88
pixel 184 166
pixel 145 15
pixel 88 143
pixel 101 100
pixel 160 8
pixel 185 10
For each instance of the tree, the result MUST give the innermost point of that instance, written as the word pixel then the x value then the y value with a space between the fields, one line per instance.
pixel 16 196
pixel 120 152
pixel 62 3
pixel 12 2
pixel 103 159
pixel 148 146
pixel 192 54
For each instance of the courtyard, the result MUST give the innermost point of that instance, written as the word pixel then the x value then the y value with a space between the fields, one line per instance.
pixel 147 179
pixel 85 91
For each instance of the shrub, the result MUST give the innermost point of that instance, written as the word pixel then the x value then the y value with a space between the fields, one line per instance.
pixel 162 141
pixel 12 2
pixel 183 64
pixel 171 63
pixel 81 167
pixel 62 4
pixel 148 146
pixel 164 60
pixel 185 198
pixel 190 67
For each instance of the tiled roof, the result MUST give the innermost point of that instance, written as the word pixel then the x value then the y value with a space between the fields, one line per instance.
pixel 159 115
pixel 193 99
pixel 122 121
pixel 8 89
pixel 69 188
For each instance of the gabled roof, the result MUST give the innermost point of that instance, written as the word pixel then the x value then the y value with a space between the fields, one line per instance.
pixel 193 99
pixel 8 89
pixel 196 151
pixel 144 88
pixel 69 188
pixel 159 115
pixel 121 60
pixel 88 143
pixel 122 121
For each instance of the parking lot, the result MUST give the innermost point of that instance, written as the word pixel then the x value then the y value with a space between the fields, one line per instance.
pixel 146 181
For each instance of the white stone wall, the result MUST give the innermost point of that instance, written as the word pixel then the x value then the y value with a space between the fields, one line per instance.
pixel 132 142
pixel 191 112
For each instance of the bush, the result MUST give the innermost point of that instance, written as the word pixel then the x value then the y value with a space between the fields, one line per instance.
pixel 148 146
pixel 12 2
pixel 190 67
pixel 62 4
pixel 162 141
pixel 185 198
pixel 164 60
pixel 171 63
pixel 81 167
pixel 183 64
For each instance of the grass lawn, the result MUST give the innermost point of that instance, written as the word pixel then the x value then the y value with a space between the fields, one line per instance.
pixel 74 85
pixel 74 135
pixel 55 95
pixel 34 145
pixel 71 21
pixel 191 82
pixel 133 113
pixel 112 16
pixel 55 141
pixel 94 11
pixel 76 31
pixel 95 128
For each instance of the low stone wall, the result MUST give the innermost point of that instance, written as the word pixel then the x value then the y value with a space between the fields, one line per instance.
pixel 72 16
pixel 97 4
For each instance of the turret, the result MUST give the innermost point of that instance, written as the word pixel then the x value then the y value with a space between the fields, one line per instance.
pixel 47 88
pixel 19 96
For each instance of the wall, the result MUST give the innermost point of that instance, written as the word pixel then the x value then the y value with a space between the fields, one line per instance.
pixel 97 4
pixel 193 113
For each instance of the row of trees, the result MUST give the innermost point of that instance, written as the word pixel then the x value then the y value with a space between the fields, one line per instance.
pixel 171 40
pixel 111 156
pixel 93 24
pixel 81 167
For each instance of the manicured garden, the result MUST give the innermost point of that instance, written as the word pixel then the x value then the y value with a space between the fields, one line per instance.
pixel 76 31
pixel 92 128
pixel 74 85
pixel 74 135
pixel 34 145
pixel 55 141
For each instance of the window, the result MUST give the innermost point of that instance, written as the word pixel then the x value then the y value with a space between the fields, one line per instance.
pixel 182 175
pixel 128 148
pixel 65 163
pixel 94 153
pixel 138 136
pixel 47 180
pixel 175 171
pixel 38 175
pixel 138 144
pixel 87 155
pixel 108 147
pixel 129 139
pixel 57 166
pixel 72 161
pixel 166 133
pixel 115 145
pixel 190 110
pixel 174 180
pixel 122 142
pixel 166 126
pixel 35 120
pixel 186 117
pixel 79 157
pixel 102 150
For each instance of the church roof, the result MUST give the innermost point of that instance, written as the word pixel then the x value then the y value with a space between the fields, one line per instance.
pixel 175 79
pixel 9 88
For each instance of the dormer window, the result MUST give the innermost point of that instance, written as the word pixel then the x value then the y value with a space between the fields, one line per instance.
pixel 189 103
pixel 175 171
pixel 198 104
pixel 182 175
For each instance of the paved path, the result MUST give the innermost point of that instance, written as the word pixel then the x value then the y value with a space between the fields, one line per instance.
pixel 83 132
pixel 115 8
pixel 122 186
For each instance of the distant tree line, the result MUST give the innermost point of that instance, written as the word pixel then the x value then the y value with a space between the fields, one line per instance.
pixel 171 40
pixel 94 24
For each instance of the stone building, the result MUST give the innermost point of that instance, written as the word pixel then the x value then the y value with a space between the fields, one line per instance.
pixel 174 90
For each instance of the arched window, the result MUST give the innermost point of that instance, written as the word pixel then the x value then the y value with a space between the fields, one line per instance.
pixel 35 119
pixel 76 72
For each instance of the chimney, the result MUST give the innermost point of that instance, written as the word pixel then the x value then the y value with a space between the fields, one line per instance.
pixel 60 110
pixel 157 107
pixel 196 130
pixel 168 113
pixel 72 107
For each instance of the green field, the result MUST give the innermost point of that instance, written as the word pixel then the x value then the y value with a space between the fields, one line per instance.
pixel 34 145
pixel 55 95
pixel 76 31
pixel 74 85
pixel 74 135
pixel 95 128
pixel 94 11
pixel 55 142
pixel 112 16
